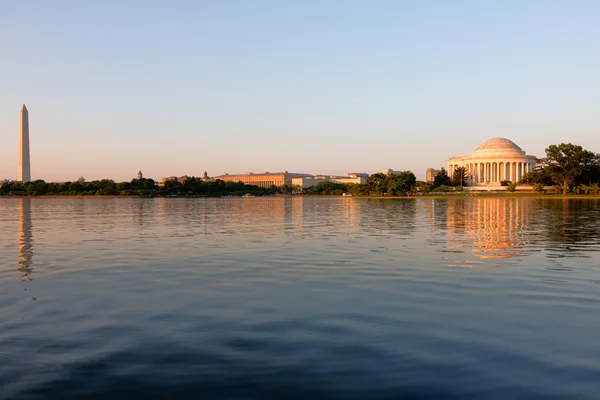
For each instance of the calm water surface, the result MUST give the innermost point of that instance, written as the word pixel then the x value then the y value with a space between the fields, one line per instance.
pixel 298 297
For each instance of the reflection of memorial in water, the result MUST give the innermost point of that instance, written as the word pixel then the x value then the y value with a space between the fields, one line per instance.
pixel 25 256
pixel 490 228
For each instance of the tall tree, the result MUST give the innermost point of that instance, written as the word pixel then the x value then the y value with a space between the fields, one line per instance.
pixel 459 177
pixel 375 183
pixel 539 175
pixel 401 183
pixel 567 162
pixel 442 178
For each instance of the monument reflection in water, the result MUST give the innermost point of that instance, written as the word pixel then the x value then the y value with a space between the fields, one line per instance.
pixel 25 241
pixel 495 228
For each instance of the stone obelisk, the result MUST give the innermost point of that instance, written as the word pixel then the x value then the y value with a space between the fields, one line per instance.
pixel 24 162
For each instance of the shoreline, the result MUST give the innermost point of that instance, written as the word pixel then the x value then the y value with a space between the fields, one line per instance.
pixel 417 196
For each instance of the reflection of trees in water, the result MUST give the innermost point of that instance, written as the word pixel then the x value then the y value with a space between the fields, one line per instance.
pixel 396 216
pixel 491 228
pixel 25 256
pixel 569 226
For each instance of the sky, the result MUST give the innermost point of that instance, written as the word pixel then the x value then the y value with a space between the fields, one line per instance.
pixel 327 86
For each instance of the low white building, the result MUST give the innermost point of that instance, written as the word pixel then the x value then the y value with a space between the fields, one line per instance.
pixel 309 181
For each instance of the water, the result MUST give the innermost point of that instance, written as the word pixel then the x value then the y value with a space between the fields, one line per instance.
pixel 298 297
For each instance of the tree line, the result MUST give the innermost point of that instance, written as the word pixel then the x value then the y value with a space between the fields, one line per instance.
pixel 398 184
pixel 377 184
pixel 137 187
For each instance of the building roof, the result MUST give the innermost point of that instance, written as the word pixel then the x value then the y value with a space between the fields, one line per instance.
pixel 498 144
pixel 498 147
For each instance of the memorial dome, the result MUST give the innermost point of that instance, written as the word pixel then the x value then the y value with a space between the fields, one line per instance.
pixel 494 161
pixel 498 147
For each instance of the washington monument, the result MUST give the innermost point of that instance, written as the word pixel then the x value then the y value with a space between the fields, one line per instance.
pixel 24 163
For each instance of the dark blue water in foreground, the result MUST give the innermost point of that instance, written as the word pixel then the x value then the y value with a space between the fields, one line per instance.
pixel 300 297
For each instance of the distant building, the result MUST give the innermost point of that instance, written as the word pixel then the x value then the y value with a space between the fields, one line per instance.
pixel 352 177
pixel 263 179
pixel 179 179
pixel 268 179
pixel 206 178
pixel 305 182
pixel 140 175
pixel 309 181
pixel 389 172
pixel 430 174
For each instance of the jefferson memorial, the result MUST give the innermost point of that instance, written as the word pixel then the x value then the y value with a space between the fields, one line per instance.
pixel 496 160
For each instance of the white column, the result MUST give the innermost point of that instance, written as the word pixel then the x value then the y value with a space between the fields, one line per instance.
pixel 484 164
pixel 496 171
pixel 469 172
pixel 514 172
pixel 485 168
pixel 522 169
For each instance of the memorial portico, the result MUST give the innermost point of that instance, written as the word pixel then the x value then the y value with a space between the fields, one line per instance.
pixel 496 160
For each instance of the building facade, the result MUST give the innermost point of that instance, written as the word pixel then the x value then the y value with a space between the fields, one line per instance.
pixel 430 174
pixel 313 180
pixel 263 179
pixel 496 160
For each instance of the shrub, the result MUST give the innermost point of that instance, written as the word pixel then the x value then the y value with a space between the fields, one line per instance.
pixel 538 187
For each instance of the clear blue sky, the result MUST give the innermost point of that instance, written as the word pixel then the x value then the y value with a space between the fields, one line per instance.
pixel 176 88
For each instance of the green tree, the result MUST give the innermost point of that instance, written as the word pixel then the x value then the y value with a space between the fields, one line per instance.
pixel 567 162
pixel 400 184
pixel 287 189
pixel 357 189
pixel 538 187
pixel 442 179
pixel 539 175
pixel 512 187
pixel 328 188
pixel 375 183
pixel 459 177
pixel 424 187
